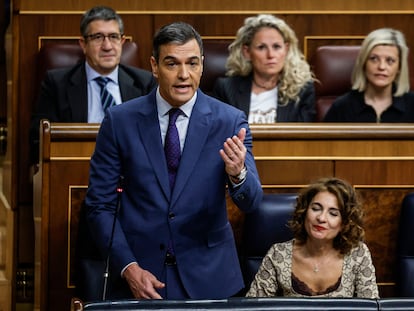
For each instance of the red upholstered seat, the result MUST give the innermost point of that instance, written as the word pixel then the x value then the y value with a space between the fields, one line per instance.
pixel 332 66
pixel 215 57
pixel 58 55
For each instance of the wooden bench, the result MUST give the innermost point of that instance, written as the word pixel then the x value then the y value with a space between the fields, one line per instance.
pixel 376 159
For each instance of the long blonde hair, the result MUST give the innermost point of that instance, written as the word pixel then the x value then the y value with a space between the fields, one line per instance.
pixel 296 72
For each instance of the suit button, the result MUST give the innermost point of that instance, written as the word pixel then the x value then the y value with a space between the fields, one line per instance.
pixel 240 197
pixel 171 215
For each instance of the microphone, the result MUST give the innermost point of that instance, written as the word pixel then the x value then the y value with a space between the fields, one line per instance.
pixel 119 190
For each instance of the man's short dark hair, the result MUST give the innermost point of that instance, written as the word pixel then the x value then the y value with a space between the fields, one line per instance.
pixel 103 13
pixel 177 33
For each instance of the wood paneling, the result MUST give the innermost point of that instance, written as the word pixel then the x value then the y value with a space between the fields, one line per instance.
pixel 3 74
pixel 317 150
pixel 59 188
pixel 376 159
pixel 232 7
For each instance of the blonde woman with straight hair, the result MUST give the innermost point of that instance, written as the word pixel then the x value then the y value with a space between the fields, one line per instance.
pixel 380 82
pixel 267 75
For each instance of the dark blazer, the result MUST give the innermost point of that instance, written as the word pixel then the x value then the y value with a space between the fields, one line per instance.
pixel 236 91
pixel 193 215
pixel 63 96
pixel 351 107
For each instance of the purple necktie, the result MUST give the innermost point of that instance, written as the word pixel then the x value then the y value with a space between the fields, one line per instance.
pixel 107 99
pixel 172 146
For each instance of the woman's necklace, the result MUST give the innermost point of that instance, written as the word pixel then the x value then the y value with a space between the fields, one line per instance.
pixel 322 261
pixel 263 86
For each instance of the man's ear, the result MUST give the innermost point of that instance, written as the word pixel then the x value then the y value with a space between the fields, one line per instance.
pixel 82 44
pixel 154 66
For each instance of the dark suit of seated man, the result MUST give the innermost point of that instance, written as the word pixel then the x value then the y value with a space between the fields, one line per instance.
pixel 73 94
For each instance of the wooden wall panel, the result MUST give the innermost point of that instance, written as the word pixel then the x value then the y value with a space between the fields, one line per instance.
pixel 63 177
pixel 376 159
pixel 223 6
pixel 273 171
pixel 382 211
pixel 63 227
pixel 383 172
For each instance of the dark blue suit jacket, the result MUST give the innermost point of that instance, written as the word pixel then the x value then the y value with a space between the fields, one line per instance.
pixel 193 216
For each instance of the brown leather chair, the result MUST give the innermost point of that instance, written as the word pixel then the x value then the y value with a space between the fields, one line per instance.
pixel 58 55
pixel 332 66
pixel 215 57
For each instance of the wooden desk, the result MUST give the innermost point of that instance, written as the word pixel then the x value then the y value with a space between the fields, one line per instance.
pixel 59 188
pixel 377 159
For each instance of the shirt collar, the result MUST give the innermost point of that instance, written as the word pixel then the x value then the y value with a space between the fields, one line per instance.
pixel 91 74
pixel 164 107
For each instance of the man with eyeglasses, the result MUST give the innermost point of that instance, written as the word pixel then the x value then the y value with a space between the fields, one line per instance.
pixel 76 94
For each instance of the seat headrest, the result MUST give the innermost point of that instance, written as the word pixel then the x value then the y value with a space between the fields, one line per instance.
pixel 332 66
pixel 268 223
pixel 215 57
pixel 58 55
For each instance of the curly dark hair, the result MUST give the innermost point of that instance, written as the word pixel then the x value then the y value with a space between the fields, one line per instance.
pixel 349 206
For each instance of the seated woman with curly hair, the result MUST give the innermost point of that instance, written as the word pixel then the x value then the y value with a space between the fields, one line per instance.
pixel 267 75
pixel 327 256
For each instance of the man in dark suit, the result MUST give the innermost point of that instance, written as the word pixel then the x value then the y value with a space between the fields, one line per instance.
pixel 73 94
pixel 172 237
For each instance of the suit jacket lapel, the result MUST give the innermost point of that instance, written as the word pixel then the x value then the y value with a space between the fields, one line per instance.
pixel 198 130
pixel 126 85
pixel 149 129
pixel 77 95
pixel 244 93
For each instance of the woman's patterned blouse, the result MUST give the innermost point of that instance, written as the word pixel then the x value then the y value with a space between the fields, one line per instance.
pixel 274 277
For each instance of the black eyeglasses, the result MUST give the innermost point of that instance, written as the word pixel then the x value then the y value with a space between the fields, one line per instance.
pixel 99 38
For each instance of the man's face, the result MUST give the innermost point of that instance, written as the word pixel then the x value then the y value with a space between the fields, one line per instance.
pixel 178 71
pixel 103 55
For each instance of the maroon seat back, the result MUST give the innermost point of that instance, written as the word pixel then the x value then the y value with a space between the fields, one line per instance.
pixel 333 67
pixel 58 55
pixel 215 57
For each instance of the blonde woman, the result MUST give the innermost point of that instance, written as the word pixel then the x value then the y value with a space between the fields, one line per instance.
pixel 380 83
pixel 267 75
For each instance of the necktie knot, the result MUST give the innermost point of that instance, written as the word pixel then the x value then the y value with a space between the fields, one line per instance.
pixel 107 99
pixel 102 81
pixel 173 113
